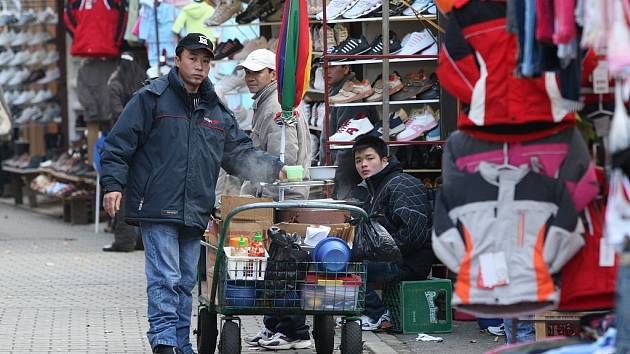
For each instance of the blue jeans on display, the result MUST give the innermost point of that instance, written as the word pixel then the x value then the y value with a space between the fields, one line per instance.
pixel 171 263
pixel 524 331
pixel 378 272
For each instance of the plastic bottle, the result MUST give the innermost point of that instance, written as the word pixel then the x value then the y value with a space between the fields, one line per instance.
pixel 242 249
pixel 257 248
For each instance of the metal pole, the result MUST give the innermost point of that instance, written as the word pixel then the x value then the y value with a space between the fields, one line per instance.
pixel 156 3
pixel 385 70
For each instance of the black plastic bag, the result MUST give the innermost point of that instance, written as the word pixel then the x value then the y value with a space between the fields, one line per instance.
pixel 372 242
pixel 286 266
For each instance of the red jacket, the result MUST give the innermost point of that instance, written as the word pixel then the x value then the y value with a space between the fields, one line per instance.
pixel 477 65
pixel 97 27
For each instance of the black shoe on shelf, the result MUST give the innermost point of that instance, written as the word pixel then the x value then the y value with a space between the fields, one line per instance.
pixel 257 9
pixel 231 47
pixel 352 46
pixel 376 47
pixel 434 92
pixel 396 8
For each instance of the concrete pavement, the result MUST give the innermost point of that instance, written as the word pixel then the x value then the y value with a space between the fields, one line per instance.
pixel 61 294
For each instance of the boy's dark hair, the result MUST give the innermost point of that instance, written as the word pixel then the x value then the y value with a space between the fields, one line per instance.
pixel 370 141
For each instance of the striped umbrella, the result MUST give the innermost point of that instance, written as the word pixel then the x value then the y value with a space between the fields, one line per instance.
pixel 293 63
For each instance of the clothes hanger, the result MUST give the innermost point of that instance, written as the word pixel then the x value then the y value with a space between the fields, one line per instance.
pixel 506 165
pixel 600 109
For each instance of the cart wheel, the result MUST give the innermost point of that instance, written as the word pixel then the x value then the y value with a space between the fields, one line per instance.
pixel 351 338
pixel 324 334
pixel 206 331
pixel 230 338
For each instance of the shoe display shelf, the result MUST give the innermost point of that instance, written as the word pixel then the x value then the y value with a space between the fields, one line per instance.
pixel 369 67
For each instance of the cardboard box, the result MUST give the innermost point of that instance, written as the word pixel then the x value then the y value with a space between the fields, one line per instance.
pixel 229 203
pixel 344 231
pixel 554 323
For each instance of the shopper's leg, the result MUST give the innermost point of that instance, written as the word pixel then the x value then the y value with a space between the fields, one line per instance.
pixel 374 307
pixel 189 247
pixel 524 331
pixel 293 326
pixel 378 272
pixel 271 322
pixel 163 277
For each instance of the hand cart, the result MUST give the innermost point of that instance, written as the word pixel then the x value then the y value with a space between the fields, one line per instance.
pixel 306 288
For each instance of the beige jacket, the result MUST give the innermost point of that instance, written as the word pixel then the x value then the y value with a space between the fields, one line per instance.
pixel 266 135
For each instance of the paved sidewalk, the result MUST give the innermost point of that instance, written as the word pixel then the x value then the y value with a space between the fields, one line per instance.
pixel 62 294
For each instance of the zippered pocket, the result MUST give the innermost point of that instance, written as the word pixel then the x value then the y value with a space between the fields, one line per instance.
pixel 145 190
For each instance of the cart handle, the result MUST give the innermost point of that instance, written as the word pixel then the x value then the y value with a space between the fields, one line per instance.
pixel 275 205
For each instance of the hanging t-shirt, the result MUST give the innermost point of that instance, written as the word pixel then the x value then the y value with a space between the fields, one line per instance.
pixel 191 18
pixel 166 14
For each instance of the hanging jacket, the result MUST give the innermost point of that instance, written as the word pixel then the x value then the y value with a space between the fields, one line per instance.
pixel 477 65
pixel 166 14
pixel 97 26
pixel 266 135
pixel 528 217
pixel 122 87
pixel 166 153
pixel 586 284
pixel 132 19
pixel 404 209
pixel 190 20
pixel 563 156
pixel 92 89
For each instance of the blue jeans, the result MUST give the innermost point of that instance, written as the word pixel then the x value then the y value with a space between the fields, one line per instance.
pixel 171 262
pixel 378 272
pixel 524 331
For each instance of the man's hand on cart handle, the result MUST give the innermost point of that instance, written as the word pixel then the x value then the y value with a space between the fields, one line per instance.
pixel 111 203
pixel 282 176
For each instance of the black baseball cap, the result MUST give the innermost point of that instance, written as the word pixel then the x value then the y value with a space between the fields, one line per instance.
pixel 195 41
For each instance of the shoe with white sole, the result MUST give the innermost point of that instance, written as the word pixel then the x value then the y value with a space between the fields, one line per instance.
pixel 352 129
pixel 318 83
pixel 368 324
pixel 279 342
pixel 421 6
pixel 419 123
pixel 396 123
pixel 394 84
pixel 415 42
pixel 352 91
pixel 353 46
pixel 362 8
pixel 335 8
pixel 264 334
pixel 497 331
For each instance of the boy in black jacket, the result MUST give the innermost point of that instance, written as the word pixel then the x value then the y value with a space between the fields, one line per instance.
pixel 401 204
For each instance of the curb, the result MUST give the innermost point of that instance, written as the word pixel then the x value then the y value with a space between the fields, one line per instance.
pixel 375 345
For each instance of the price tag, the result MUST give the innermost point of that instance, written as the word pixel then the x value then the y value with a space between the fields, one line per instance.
pixel 606 254
pixel 493 270
pixel 600 78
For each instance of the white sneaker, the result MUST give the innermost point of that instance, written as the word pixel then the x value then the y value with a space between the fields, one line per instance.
pixel 42 96
pixel 263 334
pixel 279 341
pixel 362 8
pixel 418 124
pixel 335 8
pixel 415 42
pixel 51 57
pixel 432 50
pixel 321 115
pixel 421 6
pixel 6 57
pixel 318 83
pixel 235 82
pixel 36 57
pixel 51 75
pixel 351 129
pixel 497 331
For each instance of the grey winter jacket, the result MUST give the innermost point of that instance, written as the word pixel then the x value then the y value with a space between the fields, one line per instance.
pixel 167 153
pixel 92 89
pixel 266 135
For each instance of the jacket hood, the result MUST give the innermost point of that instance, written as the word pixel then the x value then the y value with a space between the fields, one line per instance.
pixel 375 181
pixel 197 10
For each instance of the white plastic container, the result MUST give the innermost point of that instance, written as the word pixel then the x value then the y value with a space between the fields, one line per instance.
pixel 320 173
pixel 245 267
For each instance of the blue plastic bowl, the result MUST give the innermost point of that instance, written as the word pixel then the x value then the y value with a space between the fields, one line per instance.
pixel 333 253
pixel 240 295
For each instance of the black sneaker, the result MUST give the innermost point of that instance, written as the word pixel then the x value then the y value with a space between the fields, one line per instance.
pixel 352 46
pixel 257 9
pixel 434 92
pixel 231 47
pixel 166 349
pixel 376 48
pixel 396 8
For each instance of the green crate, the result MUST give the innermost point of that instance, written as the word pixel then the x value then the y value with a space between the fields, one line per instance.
pixel 420 306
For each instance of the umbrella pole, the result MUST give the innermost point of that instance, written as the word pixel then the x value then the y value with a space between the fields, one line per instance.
pixel 283 141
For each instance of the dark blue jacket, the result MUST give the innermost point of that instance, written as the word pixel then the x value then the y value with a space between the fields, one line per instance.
pixel 166 154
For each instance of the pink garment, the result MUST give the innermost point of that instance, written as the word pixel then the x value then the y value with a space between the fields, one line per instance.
pixel 564 11
pixel 136 28
pixel 544 158
pixel 544 20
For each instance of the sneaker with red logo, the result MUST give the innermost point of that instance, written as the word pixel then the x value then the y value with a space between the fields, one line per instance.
pixel 351 129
